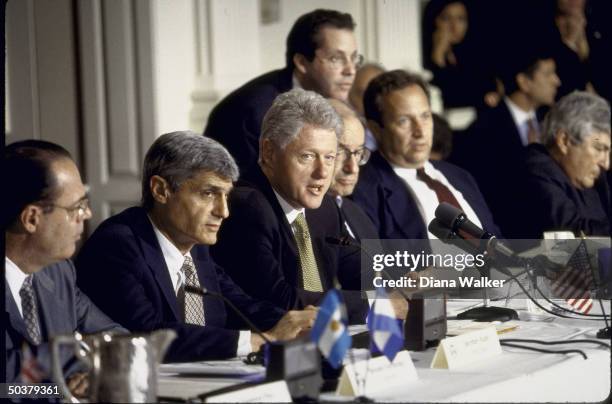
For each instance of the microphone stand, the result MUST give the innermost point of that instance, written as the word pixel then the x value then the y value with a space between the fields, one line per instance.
pixel 486 312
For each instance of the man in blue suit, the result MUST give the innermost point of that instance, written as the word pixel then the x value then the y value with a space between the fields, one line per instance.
pixel 400 188
pixel 44 211
pixel 139 265
pixel 321 56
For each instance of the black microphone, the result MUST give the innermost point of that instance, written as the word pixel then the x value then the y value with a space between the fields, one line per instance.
pixel 202 291
pixel 450 217
pixel 445 234
pixel 457 221
pixel 346 241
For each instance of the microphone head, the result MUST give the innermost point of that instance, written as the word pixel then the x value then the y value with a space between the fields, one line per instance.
pixel 344 240
pixel 202 291
pixel 440 230
pixel 448 214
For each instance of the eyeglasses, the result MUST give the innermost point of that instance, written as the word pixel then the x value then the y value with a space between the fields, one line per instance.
pixel 340 61
pixel 362 155
pixel 80 209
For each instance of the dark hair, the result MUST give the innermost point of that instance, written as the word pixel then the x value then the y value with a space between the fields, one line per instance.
pixel 428 26
pixel 304 35
pixel 178 156
pixel 524 59
pixel 27 175
pixel 385 83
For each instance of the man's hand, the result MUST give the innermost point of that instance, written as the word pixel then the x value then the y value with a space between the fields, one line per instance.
pixel 291 325
pixel 399 304
pixel 78 384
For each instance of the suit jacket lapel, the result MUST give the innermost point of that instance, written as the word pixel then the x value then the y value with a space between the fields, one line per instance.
pixel 261 182
pixel 14 317
pixel 155 259
pixel 51 306
pixel 397 197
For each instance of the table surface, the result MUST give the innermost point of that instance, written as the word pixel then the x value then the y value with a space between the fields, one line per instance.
pixel 514 376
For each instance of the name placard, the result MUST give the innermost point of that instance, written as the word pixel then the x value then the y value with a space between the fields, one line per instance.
pixel 376 374
pixel 274 392
pixel 454 352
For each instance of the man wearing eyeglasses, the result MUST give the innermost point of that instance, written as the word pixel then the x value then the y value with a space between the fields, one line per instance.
pixel 274 244
pixel 45 208
pixel 321 56
pixel 352 154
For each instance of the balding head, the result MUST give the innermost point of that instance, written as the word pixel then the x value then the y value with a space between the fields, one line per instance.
pixel 364 75
pixel 351 150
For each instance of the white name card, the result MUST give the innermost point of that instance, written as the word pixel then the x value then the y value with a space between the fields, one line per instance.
pixel 273 392
pixel 379 374
pixel 454 352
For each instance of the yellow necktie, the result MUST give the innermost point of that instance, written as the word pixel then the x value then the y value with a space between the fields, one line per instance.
pixel 310 272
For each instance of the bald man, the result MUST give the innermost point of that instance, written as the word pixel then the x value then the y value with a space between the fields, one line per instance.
pixel 352 154
pixel 364 75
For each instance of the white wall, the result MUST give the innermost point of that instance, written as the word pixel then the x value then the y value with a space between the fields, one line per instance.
pixel 203 49
pixel 272 37
pixel 175 70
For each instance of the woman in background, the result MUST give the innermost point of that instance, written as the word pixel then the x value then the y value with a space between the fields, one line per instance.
pixel 461 70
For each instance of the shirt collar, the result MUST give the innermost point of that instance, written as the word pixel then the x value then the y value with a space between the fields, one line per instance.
pixel 519 115
pixel 13 275
pixel 172 255
pixel 411 173
pixel 291 213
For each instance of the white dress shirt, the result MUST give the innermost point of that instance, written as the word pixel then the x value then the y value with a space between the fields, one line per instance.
pixel 174 262
pixel 521 119
pixel 426 198
pixel 291 213
pixel 346 225
pixel 15 278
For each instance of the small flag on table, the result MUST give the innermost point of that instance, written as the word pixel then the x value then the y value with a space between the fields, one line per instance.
pixel 384 328
pixel 330 330
pixel 575 283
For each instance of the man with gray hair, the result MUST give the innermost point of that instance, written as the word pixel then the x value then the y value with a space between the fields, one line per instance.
pixel 142 265
pixel 274 245
pixel 566 182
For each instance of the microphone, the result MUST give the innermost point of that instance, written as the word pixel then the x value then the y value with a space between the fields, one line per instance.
pixel 303 380
pixel 452 225
pixel 343 241
pixel 346 241
pixel 446 235
pixel 457 222
pixel 202 291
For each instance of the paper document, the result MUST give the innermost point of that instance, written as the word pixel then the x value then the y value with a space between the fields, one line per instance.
pixel 231 367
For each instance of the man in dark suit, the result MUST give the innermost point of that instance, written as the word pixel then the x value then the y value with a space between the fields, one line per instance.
pixel 352 154
pixel 142 265
pixel 321 56
pixel 493 148
pixel 399 188
pixel 43 218
pixel 274 244
pixel 567 173
pixel 356 225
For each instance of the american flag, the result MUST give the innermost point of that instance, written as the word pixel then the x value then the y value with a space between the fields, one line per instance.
pixel 30 371
pixel 575 283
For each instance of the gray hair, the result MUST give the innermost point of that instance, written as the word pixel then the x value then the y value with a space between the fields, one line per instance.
pixel 579 114
pixel 178 156
pixel 292 110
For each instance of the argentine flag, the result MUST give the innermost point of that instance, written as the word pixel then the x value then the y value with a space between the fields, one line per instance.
pixel 330 331
pixel 384 329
